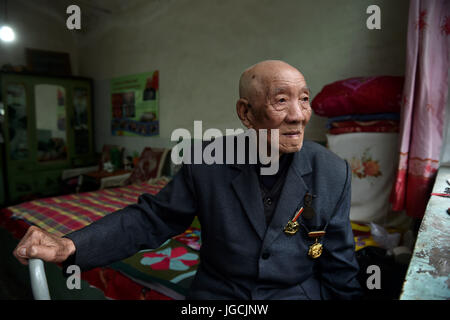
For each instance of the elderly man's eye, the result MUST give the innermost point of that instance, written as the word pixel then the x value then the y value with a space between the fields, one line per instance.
pixel 305 99
pixel 282 100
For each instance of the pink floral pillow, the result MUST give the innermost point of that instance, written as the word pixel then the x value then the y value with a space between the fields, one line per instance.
pixel 362 95
pixel 149 165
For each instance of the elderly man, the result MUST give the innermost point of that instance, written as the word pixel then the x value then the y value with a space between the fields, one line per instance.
pixel 282 236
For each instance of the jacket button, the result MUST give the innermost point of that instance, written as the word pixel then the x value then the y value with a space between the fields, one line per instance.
pixel 268 201
pixel 265 255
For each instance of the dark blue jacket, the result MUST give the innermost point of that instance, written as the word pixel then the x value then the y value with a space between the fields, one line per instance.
pixel 241 257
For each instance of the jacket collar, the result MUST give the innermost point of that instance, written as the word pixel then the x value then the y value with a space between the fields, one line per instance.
pixel 247 189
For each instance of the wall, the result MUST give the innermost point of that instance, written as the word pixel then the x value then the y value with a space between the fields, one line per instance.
pixel 37 27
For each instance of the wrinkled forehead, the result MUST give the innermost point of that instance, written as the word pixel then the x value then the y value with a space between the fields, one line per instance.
pixel 284 82
pixel 266 77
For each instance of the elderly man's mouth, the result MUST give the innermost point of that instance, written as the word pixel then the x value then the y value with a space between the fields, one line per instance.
pixel 292 134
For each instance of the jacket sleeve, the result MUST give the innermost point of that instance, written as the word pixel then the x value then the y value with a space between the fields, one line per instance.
pixel 338 266
pixel 146 224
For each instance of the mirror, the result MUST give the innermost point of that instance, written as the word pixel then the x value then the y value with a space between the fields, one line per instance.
pixel 50 102
pixel 18 121
pixel 80 123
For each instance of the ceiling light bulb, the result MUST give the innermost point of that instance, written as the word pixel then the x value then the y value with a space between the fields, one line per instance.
pixel 7 34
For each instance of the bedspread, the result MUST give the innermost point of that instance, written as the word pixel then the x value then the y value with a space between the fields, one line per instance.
pixel 63 214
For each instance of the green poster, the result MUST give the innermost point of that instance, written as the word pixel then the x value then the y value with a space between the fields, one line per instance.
pixel 135 101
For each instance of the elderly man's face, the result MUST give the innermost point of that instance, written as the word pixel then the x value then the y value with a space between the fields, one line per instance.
pixel 281 100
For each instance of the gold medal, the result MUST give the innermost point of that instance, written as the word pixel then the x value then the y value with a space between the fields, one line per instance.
pixel 315 250
pixel 292 226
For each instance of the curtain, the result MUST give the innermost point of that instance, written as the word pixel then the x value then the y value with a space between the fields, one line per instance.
pixel 423 105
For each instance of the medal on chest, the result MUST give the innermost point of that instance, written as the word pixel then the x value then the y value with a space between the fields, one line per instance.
pixel 315 250
pixel 292 226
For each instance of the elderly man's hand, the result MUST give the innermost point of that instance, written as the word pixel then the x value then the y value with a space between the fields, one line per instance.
pixel 40 244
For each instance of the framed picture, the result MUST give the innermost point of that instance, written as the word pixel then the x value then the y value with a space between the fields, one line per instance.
pixel 135 105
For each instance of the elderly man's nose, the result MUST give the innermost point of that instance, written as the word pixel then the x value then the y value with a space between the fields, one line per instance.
pixel 295 113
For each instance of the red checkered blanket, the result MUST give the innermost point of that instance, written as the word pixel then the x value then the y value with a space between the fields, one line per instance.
pixel 64 214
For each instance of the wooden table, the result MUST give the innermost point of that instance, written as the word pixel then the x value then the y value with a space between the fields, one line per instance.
pixel 428 276
pixel 103 179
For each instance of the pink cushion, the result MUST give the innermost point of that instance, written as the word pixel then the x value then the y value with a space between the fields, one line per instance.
pixel 362 95
pixel 148 165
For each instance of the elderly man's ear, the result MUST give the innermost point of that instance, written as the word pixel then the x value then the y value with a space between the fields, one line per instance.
pixel 243 109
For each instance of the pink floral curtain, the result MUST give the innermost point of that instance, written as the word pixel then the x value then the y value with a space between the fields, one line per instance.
pixel 423 106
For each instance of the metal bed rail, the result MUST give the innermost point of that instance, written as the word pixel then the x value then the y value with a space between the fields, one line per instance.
pixel 38 279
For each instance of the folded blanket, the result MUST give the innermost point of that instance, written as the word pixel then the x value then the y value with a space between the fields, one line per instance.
pixel 372 158
pixel 363 117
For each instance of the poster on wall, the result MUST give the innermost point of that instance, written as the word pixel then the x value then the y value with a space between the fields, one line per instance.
pixel 135 105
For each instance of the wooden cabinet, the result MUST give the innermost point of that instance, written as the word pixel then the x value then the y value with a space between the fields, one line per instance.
pixel 47 127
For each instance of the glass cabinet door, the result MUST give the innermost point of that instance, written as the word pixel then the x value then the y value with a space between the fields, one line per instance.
pixel 16 105
pixel 51 122
pixel 81 120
